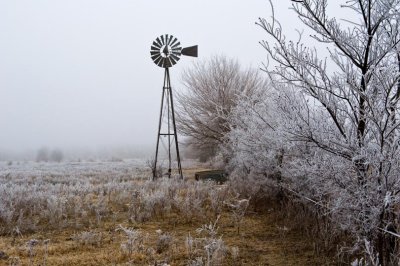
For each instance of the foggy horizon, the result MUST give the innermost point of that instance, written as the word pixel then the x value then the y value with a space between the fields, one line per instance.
pixel 78 75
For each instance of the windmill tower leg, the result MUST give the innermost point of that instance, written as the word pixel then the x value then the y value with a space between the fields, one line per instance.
pixel 178 157
pixel 167 100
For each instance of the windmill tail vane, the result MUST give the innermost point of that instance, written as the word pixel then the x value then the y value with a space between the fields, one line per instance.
pixel 190 51
pixel 165 52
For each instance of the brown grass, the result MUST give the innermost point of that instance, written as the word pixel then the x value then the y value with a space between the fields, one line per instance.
pixel 262 241
pixel 265 239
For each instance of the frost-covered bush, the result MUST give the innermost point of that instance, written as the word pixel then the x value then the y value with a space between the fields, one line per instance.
pixel 190 202
pixel 208 248
pixel 217 198
pixel 134 240
pixel 238 208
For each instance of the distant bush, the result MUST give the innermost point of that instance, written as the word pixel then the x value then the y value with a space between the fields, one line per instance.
pixel 56 155
pixel 42 155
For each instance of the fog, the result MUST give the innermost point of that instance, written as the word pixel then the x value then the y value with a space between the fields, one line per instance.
pixel 77 75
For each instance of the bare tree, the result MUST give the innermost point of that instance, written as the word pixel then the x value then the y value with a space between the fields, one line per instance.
pixel 212 89
pixel 42 155
pixel 56 155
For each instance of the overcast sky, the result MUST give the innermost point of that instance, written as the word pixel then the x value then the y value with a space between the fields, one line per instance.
pixel 78 73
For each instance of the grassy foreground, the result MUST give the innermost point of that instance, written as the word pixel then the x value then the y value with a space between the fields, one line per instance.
pixel 149 223
pixel 261 241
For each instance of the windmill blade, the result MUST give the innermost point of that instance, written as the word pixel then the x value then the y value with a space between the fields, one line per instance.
pixel 155 44
pixel 154 53
pixel 175 58
pixel 177 50
pixel 169 39
pixel 166 39
pixel 168 62
pixel 157 60
pixel 160 63
pixel 154 48
pixel 159 42
pixel 171 59
pixel 177 53
pixel 174 41
pixel 190 51
pixel 155 56
pixel 162 39
pixel 176 45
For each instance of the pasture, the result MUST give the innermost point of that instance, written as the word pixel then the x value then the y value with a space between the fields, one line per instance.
pixel 111 213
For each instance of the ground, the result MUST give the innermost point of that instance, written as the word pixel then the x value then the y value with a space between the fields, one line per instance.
pixel 262 238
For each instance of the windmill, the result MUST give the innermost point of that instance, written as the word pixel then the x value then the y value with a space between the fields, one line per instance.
pixel 165 52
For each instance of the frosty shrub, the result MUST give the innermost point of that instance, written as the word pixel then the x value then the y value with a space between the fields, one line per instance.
pixel 134 240
pixel 238 208
pixel 208 248
pixel 31 244
pixel 217 198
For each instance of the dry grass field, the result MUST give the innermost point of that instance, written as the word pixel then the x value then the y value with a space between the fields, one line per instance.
pixel 122 218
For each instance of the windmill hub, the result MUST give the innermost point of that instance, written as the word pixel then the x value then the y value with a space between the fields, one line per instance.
pixel 166 51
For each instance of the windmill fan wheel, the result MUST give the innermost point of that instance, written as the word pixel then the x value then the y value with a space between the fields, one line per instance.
pixel 166 51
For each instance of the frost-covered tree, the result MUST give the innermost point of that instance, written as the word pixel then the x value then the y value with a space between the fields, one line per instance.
pixel 332 125
pixel 42 155
pixel 211 90
pixel 56 155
